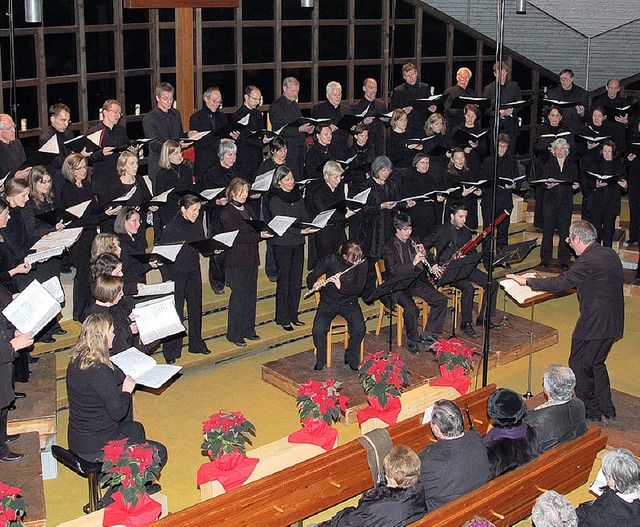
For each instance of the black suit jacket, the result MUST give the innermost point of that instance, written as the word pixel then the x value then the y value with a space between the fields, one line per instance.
pixel 597 274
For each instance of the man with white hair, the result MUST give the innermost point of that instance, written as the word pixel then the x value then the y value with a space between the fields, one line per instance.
pixel 562 417
pixel 333 109
pixel 455 116
pixel 553 510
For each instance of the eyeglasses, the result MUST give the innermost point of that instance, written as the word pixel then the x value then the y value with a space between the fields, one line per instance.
pixel 134 220
pixel 82 167
pixel 115 112
pixel 254 98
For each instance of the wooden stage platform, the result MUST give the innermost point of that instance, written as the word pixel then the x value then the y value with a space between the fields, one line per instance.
pixel 508 344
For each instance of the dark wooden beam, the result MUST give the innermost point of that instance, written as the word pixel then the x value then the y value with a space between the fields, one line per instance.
pixel 150 4
pixel 184 64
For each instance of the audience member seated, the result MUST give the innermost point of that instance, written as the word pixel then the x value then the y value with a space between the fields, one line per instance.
pixel 457 463
pixel 562 417
pixel 619 504
pixel 553 510
pixel 100 395
pixel 511 442
pixel 397 503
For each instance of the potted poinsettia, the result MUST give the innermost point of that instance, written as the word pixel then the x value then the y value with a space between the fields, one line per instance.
pixel 130 468
pixel 225 437
pixel 383 377
pixel 12 508
pixel 319 405
pixel 455 359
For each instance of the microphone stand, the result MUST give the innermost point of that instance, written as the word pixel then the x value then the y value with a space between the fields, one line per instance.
pixel 13 100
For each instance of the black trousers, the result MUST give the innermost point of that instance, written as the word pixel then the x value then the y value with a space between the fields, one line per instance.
pixel 4 418
pixel 216 270
pixel 241 315
pixel 557 215
pixel 467 289
pixel 187 288
pixel 437 309
pixel 355 325
pixel 289 263
pixel 587 360
pixel 634 207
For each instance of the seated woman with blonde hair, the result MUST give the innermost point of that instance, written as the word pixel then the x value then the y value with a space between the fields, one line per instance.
pixel 100 395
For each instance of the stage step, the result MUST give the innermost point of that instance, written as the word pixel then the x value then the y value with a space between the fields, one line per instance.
pixel 27 475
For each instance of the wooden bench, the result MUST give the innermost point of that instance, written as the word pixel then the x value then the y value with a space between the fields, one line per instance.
pixel 315 485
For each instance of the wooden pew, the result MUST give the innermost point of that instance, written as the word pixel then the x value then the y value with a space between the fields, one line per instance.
pixel 308 488
pixel 510 498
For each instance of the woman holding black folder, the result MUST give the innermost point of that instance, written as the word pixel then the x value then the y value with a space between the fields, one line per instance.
pixel 398 150
pixel 172 174
pixel 241 264
pixel 185 272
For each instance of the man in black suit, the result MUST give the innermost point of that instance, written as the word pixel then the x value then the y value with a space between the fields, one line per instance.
pixel 457 463
pixel 59 119
pixel 11 150
pixel 373 106
pixel 597 274
pixel 411 89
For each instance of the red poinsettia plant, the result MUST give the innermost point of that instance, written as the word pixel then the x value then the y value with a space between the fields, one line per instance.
pixel 453 352
pixel 383 375
pixel 11 506
pixel 131 466
pixel 321 401
pixel 226 433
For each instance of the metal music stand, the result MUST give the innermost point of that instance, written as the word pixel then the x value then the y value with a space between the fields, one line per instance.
pixel 459 269
pixel 387 288
pixel 514 253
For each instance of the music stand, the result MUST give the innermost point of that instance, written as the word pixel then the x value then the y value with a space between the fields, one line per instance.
pixel 459 269
pixel 390 286
pixel 514 253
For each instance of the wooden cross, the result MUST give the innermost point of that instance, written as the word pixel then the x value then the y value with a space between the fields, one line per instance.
pixel 184 45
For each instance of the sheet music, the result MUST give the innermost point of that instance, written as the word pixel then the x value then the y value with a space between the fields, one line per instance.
pixel 346 161
pixel 162 288
pixel 280 224
pixel 128 195
pixel 228 238
pixel 170 252
pixel 363 114
pixel 426 416
pixel 69 141
pixel 414 198
pixel 361 197
pixel 321 220
pixel 263 181
pixel 51 146
pixel 157 319
pixel 149 183
pixel 520 293
pixel 198 136
pixel 211 193
pixel 32 309
pixel 162 197
pixel 79 209
pixel 599 484
pixel 43 255
pixel 4 178
pixel 95 137
pixel 245 120
pixel 64 238
pixel 144 369
pixel 54 288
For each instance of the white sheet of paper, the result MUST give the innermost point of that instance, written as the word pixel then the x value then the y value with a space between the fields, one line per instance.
pixel 199 135
pixel 147 181
pixel 32 309
pixel 144 369
pixel 51 146
pixel 245 120
pixel 79 209
pixel 211 193
pixel 63 238
pixel 128 195
pixel 361 197
pixel 4 178
pixel 263 181
pixel 162 288
pixel 227 237
pixel 162 197
pixel 43 255
pixel 346 161
pixel 280 224
pixel 95 137
pixel 54 288
pixel 321 220
pixel 426 417
pixel 157 319
pixel 170 252
pixel 597 486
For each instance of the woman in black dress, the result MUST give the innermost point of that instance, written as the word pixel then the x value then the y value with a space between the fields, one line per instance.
pixel 99 394
pixel 241 264
pixel 475 149
pixel 438 144
pixel 77 189
pixel 286 200
pixel 185 272
pixel 468 194
pixel 364 151
pixel 320 152
pixel 422 179
pixel 7 270
pixel 398 150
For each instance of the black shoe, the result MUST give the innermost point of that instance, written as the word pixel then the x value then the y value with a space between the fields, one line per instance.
pixel 254 337
pixel 594 419
pixel 153 488
pixel 317 367
pixel 631 243
pixel 240 343
pixel 272 278
pixel 12 438
pixel 428 339
pixel 60 332
pixel 204 351
pixel 506 265
pixel 219 290
pixel 33 360
pixel 480 322
pixel 19 395
pixel 46 340
pixel 170 361
pixel 287 327
pixel 12 406
pixel 544 266
pixel 565 266
pixel 11 457
pixel 467 328
pixel 298 323
pixel 413 348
